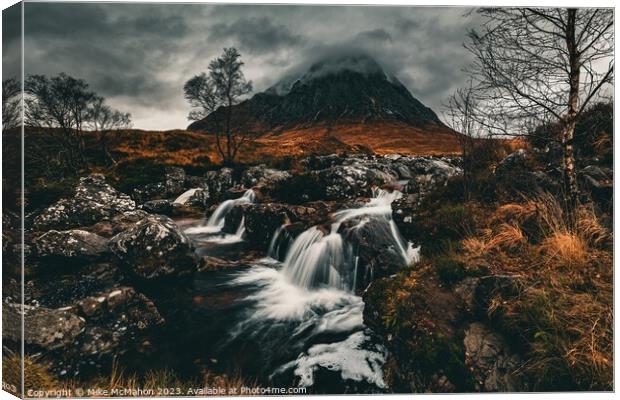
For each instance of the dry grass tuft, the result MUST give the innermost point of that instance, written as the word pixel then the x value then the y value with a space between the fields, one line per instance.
pixel 565 249
pixel 590 229
pixel 513 212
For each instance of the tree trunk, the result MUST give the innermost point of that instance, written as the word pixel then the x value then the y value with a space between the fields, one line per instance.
pixel 568 131
pixel 105 151
pixel 229 142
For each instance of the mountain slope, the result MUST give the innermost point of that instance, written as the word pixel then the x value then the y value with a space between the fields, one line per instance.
pixel 349 89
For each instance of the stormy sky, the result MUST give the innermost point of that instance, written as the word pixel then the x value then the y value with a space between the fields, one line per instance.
pixel 139 55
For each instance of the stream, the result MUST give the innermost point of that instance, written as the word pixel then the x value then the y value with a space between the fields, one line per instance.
pixel 292 315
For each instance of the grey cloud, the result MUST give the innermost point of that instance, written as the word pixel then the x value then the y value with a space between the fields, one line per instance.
pixel 139 55
pixel 379 35
pixel 255 34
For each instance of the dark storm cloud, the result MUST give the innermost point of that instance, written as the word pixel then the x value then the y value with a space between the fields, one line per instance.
pixel 378 35
pixel 255 34
pixel 11 45
pixel 139 55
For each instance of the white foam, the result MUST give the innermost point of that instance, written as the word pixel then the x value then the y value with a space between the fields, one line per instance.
pixel 348 357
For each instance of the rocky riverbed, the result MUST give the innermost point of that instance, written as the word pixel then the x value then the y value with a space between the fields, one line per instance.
pixel 256 270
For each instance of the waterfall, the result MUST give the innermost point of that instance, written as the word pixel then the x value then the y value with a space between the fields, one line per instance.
pixel 318 257
pixel 219 215
pixel 216 222
pixel 274 246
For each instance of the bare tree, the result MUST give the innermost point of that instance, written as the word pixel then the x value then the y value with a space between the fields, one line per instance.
pixel 60 102
pixel 224 86
pixel 535 66
pixel 103 119
pixel 11 103
pixel 464 117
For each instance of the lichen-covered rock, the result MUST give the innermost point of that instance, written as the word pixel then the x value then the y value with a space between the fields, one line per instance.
pixel 150 191
pixel 72 285
pixel 260 175
pixel 598 181
pixel 94 200
pixel 71 245
pixel 154 248
pixel 348 181
pixel 161 206
pixel 403 210
pixel 491 360
pixel 427 174
pixel 219 182
pixel 175 181
pixel 45 328
pixel 196 197
pixel 113 322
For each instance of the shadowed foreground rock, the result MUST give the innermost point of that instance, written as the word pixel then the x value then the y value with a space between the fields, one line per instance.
pixel 94 200
pixel 491 360
pixel 73 245
pixel 46 328
pixel 154 247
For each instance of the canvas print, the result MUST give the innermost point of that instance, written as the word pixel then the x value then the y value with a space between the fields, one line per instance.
pixel 217 199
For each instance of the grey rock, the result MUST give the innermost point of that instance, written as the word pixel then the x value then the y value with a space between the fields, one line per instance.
pixel 175 181
pixel 154 248
pixel 195 197
pixel 162 206
pixel 46 328
pixel 494 365
pixel 260 175
pixel 73 245
pixel 218 182
pixel 94 200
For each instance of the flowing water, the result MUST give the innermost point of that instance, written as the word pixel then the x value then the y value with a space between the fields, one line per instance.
pixel 214 225
pixel 294 315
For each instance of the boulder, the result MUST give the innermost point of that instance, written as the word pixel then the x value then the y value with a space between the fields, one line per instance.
pixel 403 210
pixel 488 356
pixel 378 253
pixel 260 175
pixel 196 197
pixel 519 173
pixel 113 322
pixel 117 223
pixel 53 289
pixel 72 245
pixel 174 181
pixel 128 308
pixel 155 247
pixel 150 191
pixel 263 219
pixel 94 200
pixel 161 206
pixel 219 182
pixel 427 174
pixel 45 328
pixel 348 181
pixel 598 181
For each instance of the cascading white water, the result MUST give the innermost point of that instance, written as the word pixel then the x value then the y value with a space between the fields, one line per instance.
pixel 215 223
pixel 219 215
pixel 311 299
pixel 316 258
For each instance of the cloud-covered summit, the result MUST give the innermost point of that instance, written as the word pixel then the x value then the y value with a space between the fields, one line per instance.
pixel 139 55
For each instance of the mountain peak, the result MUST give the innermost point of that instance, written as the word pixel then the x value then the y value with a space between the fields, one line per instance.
pixel 344 88
pixel 358 63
